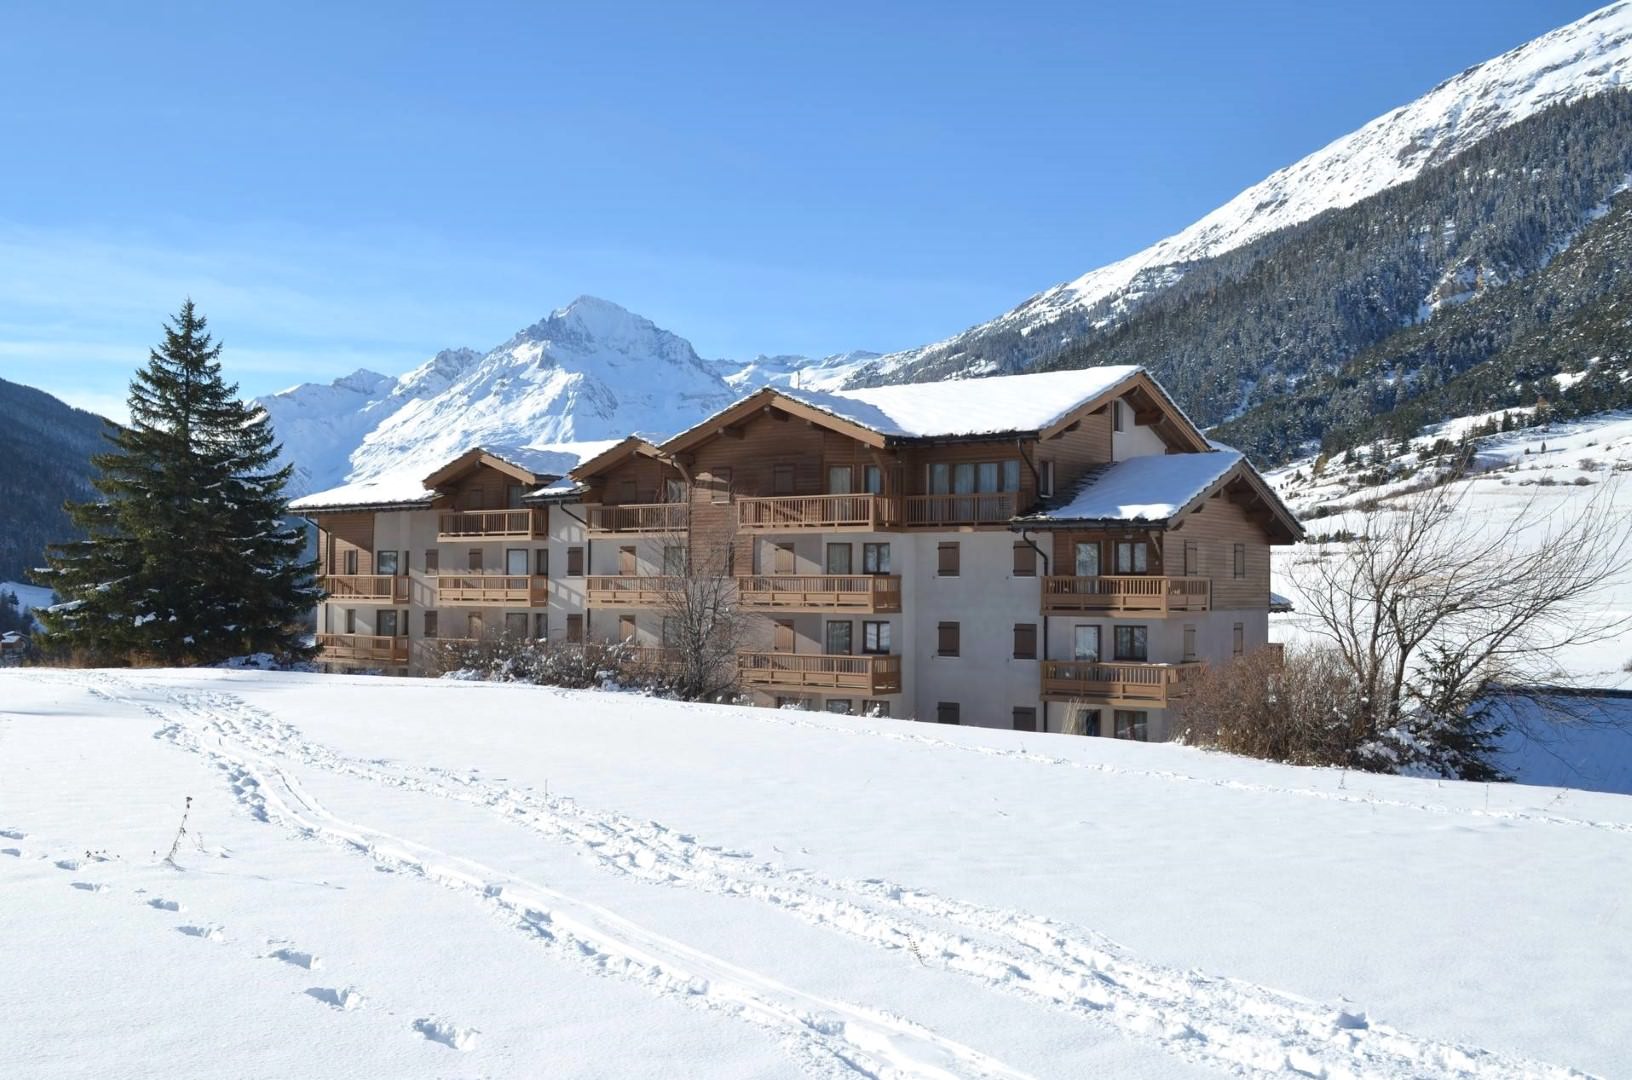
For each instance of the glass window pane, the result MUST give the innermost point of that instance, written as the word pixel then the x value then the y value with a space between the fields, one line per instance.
pixel 838 480
pixel 838 559
pixel 385 562
pixel 1085 644
pixel 940 478
pixel 838 639
pixel 986 476
pixel 1011 476
pixel 1087 560
pixel 515 561
pixel 963 479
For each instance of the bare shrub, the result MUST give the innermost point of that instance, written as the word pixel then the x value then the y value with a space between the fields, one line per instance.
pixel 586 665
pixel 1306 710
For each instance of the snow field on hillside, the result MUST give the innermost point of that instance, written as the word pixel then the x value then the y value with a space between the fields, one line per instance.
pixel 409 878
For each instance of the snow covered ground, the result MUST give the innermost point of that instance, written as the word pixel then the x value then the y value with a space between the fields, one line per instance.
pixel 411 879
pixel 28 596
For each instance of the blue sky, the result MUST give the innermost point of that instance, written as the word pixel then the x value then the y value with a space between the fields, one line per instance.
pixel 344 185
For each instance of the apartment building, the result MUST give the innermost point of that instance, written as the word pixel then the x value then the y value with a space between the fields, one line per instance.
pixel 1059 551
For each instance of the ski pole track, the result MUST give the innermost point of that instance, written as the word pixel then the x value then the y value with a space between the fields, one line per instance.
pixel 1205 1019
pixel 828 1038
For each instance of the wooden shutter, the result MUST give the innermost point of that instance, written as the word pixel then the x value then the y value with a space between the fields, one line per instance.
pixel 626 561
pixel 947 559
pixel 946 712
pixel 782 636
pixel 1025 718
pixel 575 562
pixel 1025 560
pixel 575 628
pixel 1025 641
pixel 946 639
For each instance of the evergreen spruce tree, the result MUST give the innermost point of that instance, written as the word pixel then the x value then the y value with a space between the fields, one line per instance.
pixel 186 558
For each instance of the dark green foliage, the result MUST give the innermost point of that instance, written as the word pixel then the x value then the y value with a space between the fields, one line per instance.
pixel 11 615
pixel 186 558
pixel 45 460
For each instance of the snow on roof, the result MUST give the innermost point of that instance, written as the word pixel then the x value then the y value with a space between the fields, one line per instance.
pixel 1148 488
pixel 967 406
pixel 396 489
pixel 552 459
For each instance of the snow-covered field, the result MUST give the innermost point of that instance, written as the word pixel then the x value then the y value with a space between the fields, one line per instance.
pixel 28 596
pixel 411 879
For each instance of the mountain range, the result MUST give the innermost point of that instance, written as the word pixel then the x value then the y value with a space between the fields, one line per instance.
pixel 1380 280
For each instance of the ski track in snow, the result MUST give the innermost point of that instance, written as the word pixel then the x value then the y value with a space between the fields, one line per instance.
pixel 1223 1023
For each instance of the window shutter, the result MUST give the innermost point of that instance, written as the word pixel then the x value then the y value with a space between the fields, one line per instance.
pixel 1025 560
pixel 947 559
pixel 1025 718
pixel 1240 560
pixel 946 712
pixel 575 562
pixel 1025 641
pixel 946 639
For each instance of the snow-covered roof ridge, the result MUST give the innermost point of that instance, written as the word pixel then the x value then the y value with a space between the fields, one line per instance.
pixel 1152 487
pixel 406 488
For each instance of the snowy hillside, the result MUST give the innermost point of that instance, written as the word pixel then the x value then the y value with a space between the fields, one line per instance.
pixel 1583 58
pixel 626 888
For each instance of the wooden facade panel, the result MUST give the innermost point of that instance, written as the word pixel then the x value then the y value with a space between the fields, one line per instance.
pixel 1064 561
pixel 1215 530
pixel 636 479
pixel 340 533
pixel 1075 452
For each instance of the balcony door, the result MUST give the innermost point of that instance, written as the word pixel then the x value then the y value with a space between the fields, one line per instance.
pixel 515 562
pixel 1085 643
pixel 839 478
pixel 838 638
pixel 1087 554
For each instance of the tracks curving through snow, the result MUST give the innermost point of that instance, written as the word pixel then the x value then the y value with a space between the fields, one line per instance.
pixel 1208 1020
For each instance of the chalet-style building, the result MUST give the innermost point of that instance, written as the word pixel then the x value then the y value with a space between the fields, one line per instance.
pixel 1058 551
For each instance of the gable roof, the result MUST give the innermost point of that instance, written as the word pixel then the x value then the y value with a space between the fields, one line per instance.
pixel 1157 488
pixel 1039 404
pixel 405 490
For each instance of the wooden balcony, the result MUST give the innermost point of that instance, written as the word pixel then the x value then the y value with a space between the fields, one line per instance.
pixel 820 671
pixel 974 508
pixel 474 590
pixel 488 525
pixel 363 648
pixel 669 517
pixel 864 593
pixel 1132 594
pixel 630 590
pixel 793 513
pixel 366 588
pixel 1117 682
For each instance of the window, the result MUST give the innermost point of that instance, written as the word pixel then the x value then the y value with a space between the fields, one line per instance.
pixel 946 559
pixel 947 635
pixel 1132 557
pixel 515 624
pixel 963 478
pixel 1240 554
pixel 940 478
pixel 575 628
pixel 1025 718
pixel 1011 476
pixel 674 491
pixel 1238 639
pixel 541 564
pixel 674 560
pixel 430 624
pixel 385 562
pixel 838 638
pixel 1087 558
pixel 1192 559
pixel 1025 641
pixel 473 559
pixel 838 480
pixel 1045 483
pixel 1189 642
pixel 433 560
pixel 875 637
pixel 1132 724
pixel 781 479
pixel 1116 415
pixel 512 496
pixel 875 558
pixel 351 620
pixel 386 624
pixel 786 702
pixel 541 626
pixel 946 712
pixel 670 633
pixel 473 627
pixel 872 479
pixel 1131 643
pixel 575 562
pixel 875 707
pixel 515 563
pixel 1081 721
pixel 722 485
pixel 986 478
pixel 1085 643
pixel 1025 560
pixel 348 561
pixel 839 706
pixel 838 558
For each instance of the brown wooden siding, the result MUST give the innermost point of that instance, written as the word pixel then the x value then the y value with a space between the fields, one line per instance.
pixel 1075 452
pixel 339 533
pixel 1215 529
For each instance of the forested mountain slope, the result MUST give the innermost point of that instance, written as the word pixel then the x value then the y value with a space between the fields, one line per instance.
pixel 45 459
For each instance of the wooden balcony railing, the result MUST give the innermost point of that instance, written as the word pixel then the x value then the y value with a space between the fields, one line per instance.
pixel 780 513
pixel 366 588
pixel 975 508
pixel 638 517
pixel 366 648
pixel 1117 681
pixel 463 590
pixel 1140 593
pixel 805 671
pixel 487 524
pixel 868 593
pixel 631 590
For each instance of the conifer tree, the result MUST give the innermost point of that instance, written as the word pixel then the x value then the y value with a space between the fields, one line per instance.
pixel 186 557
